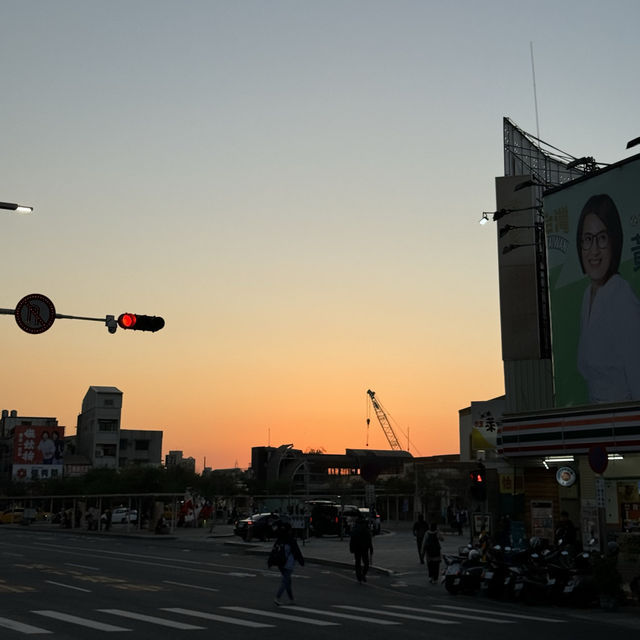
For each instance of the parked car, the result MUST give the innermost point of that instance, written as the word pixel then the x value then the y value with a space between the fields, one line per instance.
pixel 120 515
pixel 373 517
pixel 12 516
pixel 262 526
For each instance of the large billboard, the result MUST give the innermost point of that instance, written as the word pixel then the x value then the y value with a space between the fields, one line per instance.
pixel 38 452
pixel 593 251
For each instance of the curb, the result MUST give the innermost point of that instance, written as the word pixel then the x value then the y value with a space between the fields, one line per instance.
pixel 253 549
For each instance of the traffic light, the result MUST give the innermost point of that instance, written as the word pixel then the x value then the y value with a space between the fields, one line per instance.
pixel 140 323
pixel 478 484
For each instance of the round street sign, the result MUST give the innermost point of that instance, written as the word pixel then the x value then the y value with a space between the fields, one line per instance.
pixel 35 313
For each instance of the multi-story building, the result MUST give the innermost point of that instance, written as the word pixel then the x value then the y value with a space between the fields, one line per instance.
pixel 98 436
pixel 177 459
pixel 565 436
pixel 140 447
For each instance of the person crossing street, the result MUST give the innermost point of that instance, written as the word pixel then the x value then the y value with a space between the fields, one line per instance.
pixel 361 545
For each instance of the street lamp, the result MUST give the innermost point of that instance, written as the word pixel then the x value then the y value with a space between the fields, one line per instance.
pixel 18 208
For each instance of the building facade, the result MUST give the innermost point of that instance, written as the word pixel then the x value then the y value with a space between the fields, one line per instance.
pixel 566 434
pixel 98 432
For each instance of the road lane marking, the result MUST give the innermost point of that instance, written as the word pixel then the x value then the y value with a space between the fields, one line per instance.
pixel 446 613
pixel 493 612
pixel 190 586
pixel 152 619
pixel 217 618
pixel 164 562
pixel 81 566
pixel 283 616
pixel 335 614
pixel 5 588
pixel 21 627
pixel 407 616
pixel 68 586
pixel 83 622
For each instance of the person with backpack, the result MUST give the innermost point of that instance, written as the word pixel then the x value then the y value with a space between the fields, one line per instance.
pixel 284 554
pixel 431 550
pixel 361 545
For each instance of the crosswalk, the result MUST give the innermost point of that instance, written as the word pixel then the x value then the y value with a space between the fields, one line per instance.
pixel 181 619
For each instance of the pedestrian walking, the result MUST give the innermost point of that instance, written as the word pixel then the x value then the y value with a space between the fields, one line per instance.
pixel 419 529
pixel 459 521
pixel 284 554
pixel 361 545
pixel 431 549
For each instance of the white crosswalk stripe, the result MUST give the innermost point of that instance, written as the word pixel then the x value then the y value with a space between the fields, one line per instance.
pixel 348 616
pixel 83 622
pixel 447 613
pixel 152 619
pixel 13 625
pixel 282 616
pixel 407 616
pixel 493 612
pixel 217 618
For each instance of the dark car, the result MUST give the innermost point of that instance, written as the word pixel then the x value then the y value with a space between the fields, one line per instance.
pixel 261 526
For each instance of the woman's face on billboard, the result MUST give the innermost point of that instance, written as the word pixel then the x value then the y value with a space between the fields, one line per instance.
pixel 596 249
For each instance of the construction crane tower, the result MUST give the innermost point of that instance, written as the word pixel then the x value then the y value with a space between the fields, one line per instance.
pixel 384 421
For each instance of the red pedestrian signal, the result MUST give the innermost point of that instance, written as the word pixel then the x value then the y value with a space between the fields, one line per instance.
pixel 140 323
pixel 478 484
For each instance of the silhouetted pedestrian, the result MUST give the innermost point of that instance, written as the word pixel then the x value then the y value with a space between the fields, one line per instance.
pixel 361 545
pixel 431 548
pixel 289 553
pixel 419 529
pixel 459 521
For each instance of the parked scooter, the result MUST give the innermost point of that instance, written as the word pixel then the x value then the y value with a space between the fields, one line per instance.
pixel 463 573
pixel 504 573
pixel 537 582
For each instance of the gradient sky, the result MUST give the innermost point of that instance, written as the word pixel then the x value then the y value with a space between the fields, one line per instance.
pixel 295 186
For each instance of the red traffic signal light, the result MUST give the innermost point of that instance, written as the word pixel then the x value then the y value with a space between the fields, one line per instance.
pixel 140 323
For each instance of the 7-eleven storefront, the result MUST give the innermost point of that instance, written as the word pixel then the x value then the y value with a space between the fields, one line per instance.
pixel 583 461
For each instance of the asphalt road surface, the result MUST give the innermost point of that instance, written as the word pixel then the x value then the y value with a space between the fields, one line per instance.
pixel 66 585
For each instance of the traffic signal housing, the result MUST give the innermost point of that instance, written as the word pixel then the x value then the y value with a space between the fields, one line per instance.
pixel 138 322
pixel 478 484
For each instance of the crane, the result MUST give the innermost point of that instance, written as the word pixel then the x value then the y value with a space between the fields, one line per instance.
pixel 384 421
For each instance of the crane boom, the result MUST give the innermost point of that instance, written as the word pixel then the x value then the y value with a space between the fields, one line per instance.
pixel 384 422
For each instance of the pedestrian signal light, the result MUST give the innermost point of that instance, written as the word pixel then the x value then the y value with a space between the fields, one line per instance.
pixel 478 484
pixel 140 323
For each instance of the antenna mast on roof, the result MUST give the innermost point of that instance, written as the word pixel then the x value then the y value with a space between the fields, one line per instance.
pixel 535 94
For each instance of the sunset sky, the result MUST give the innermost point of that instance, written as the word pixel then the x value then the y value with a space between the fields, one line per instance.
pixel 295 187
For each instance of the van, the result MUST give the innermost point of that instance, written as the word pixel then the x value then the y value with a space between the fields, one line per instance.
pixel 325 518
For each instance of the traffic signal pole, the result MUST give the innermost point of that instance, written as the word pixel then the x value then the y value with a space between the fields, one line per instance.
pixel 36 313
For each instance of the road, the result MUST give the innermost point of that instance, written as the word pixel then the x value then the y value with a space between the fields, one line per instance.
pixel 68 585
